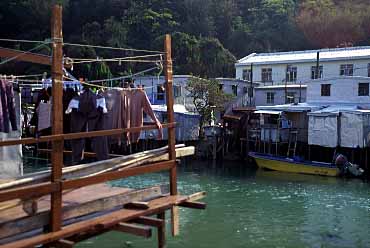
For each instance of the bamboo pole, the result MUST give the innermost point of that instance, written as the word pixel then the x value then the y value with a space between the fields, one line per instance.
pixel 57 128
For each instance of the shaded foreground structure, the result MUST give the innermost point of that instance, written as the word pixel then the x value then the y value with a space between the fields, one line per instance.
pixel 61 211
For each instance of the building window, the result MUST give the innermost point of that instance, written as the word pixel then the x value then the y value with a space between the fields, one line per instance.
pixel 325 89
pixel 314 73
pixel 368 70
pixel 266 75
pixel 247 74
pixel 160 92
pixel 363 89
pixel 270 97
pixel 177 90
pixel 346 70
pixel 234 88
pixel 291 73
pixel 290 97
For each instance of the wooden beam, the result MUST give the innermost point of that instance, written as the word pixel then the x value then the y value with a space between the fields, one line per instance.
pixel 57 125
pixel 24 56
pixel 171 132
pixel 197 196
pixel 83 170
pixel 149 221
pixel 72 136
pixel 27 223
pixel 114 175
pixel 85 154
pixel 162 230
pixel 142 231
pixel 28 192
pixel 195 205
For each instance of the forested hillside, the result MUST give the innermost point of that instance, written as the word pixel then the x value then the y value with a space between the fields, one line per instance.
pixel 208 35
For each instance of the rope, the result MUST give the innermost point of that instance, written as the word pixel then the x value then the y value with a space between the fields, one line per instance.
pixel 124 77
pixel 112 48
pixel 47 41
pixel 19 55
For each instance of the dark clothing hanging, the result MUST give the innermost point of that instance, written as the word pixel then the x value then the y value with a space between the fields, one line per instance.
pixel 88 117
pixel 112 120
pixel 7 108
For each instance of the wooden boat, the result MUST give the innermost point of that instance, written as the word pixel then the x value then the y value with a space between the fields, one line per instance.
pixel 290 165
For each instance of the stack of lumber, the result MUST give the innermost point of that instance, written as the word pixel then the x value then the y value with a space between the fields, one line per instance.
pixel 91 169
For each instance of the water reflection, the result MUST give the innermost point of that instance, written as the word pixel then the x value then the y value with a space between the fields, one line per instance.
pixel 257 208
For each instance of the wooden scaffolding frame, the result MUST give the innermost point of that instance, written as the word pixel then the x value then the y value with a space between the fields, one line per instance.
pixel 59 236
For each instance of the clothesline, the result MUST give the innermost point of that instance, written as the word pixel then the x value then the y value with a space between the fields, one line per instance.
pixel 125 77
pixel 119 60
pixel 25 76
pixel 124 58
pixel 112 48
pixel 49 41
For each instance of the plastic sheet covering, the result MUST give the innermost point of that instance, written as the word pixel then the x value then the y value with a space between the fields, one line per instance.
pixel 366 130
pixel 11 162
pixel 351 133
pixel 323 130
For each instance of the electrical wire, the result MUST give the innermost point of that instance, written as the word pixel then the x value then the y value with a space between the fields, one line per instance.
pixel 47 41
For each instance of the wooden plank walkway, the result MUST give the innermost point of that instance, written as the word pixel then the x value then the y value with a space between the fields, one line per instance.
pixel 76 203
pixel 104 222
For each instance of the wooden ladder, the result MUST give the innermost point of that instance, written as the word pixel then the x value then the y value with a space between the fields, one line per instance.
pixel 293 137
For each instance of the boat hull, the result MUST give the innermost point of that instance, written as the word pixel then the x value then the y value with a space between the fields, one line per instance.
pixel 289 165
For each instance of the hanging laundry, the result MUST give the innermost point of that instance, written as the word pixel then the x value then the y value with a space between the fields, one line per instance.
pixel 11 159
pixel 113 119
pixel 7 108
pixel 134 103
pixel 43 97
pixel 44 116
pixel 87 114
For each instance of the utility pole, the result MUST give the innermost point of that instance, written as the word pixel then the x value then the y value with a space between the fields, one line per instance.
pixel 317 65
pixel 57 124
pixel 250 92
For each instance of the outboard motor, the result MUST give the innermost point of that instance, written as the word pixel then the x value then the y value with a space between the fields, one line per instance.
pixel 347 168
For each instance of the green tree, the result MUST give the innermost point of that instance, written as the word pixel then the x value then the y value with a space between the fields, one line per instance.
pixel 206 95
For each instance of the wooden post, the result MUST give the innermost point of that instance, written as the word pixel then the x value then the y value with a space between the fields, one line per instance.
pixel 57 128
pixel 171 131
pixel 162 230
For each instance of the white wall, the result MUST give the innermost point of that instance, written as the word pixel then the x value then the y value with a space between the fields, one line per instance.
pixel 343 90
pixel 330 69
pixel 261 95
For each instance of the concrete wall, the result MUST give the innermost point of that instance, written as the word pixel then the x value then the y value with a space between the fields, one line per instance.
pixel 343 90
pixel 261 95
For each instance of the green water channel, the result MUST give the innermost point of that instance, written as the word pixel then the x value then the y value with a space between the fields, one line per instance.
pixel 249 208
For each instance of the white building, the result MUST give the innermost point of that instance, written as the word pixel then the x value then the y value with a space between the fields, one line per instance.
pixel 279 94
pixel 300 66
pixel 154 87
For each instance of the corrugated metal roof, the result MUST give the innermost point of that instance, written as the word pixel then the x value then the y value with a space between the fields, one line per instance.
pixel 306 56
